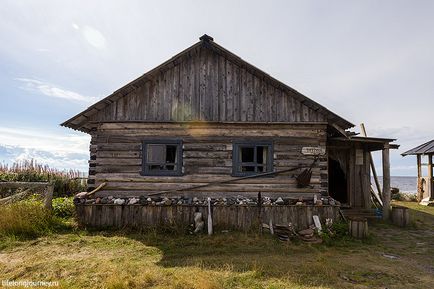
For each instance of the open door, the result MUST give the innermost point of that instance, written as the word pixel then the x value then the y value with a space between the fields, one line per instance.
pixel 338 187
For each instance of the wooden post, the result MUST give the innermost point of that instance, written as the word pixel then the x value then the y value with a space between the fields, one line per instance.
pixel 49 197
pixel 419 179
pixel 430 178
pixel 386 182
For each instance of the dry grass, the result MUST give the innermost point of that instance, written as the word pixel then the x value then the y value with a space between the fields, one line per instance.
pixel 233 260
pixel 27 219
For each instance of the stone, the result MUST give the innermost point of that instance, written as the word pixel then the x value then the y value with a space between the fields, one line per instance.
pixel 279 201
pixel 299 204
pixel 133 201
pixel 180 202
pixel 306 232
pixel 119 201
pixel 325 201
pixel 318 203
pixel 149 199
pixel 97 200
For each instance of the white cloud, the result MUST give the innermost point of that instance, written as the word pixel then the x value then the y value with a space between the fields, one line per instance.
pixel 94 37
pixel 63 151
pixel 75 26
pixel 54 91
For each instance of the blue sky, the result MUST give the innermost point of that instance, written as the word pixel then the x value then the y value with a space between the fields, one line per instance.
pixel 368 61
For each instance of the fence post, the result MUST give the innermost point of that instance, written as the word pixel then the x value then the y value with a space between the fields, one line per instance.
pixel 49 197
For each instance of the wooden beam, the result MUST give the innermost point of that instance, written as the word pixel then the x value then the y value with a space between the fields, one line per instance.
pixel 17 185
pixel 386 182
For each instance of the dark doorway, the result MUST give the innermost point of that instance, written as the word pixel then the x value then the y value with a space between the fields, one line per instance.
pixel 337 182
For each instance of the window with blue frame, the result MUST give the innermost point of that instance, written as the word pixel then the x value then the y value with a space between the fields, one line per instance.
pixel 252 158
pixel 162 158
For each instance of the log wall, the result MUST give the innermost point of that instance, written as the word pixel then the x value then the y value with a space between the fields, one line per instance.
pixel 224 217
pixel 116 158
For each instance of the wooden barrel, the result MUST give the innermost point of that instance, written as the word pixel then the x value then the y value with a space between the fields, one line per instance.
pixel 358 227
pixel 400 216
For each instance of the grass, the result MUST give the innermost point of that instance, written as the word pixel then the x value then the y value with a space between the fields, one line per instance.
pixel 28 219
pixel 109 259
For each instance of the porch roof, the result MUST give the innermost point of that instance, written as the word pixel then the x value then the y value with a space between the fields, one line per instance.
pixel 371 143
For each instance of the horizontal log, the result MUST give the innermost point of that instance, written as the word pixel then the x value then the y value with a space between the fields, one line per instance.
pixel 221 187
pixel 195 125
pixel 125 177
pixel 15 185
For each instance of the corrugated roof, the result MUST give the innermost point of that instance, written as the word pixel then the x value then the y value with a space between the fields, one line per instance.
pixel 423 149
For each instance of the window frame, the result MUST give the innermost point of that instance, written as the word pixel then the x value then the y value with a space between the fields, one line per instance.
pixel 236 163
pixel 179 158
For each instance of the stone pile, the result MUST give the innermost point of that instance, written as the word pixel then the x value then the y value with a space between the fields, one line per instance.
pixel 227 201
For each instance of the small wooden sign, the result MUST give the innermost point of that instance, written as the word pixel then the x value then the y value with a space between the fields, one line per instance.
pixel 313 151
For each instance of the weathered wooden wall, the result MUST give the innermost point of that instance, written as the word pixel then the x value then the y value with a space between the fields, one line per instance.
pixel 116 158
pixel 224 217
pixel 205 85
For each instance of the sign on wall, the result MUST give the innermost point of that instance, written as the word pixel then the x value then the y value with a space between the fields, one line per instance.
pixel 313 151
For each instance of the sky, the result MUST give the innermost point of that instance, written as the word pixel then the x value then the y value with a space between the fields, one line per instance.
pixel 367 61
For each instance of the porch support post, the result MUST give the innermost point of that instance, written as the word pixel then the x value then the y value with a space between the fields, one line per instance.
pixel 386 182
pixel 419 179
pixel 430 178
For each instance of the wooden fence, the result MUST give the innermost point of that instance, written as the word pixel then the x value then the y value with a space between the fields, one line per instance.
pixel 224 217
pixel 48 189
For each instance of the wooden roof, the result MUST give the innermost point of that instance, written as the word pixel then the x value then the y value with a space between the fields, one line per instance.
pixel 371 143
pixel 423 149
pixel 81 120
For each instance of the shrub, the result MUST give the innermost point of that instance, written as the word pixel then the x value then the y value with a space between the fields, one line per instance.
pixel 27 219
pixel 337 234
pixel 63 207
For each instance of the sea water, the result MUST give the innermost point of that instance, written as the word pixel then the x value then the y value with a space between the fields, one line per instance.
pixel 404 184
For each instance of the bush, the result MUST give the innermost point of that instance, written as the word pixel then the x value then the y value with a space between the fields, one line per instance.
pixel 337 234
pixel 27 219
pixel 63 207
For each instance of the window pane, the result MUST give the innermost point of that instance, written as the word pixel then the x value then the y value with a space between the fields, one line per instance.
pixel 171 151
pixel 262 154
pixel 156 153
pixel 247 168
pixel 155 167
pixel 247 154
pixel 170 167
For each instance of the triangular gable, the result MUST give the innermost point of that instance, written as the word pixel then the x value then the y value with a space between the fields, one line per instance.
pixel 205 82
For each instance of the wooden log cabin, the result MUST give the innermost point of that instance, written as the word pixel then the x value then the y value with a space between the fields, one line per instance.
pixel 206 115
